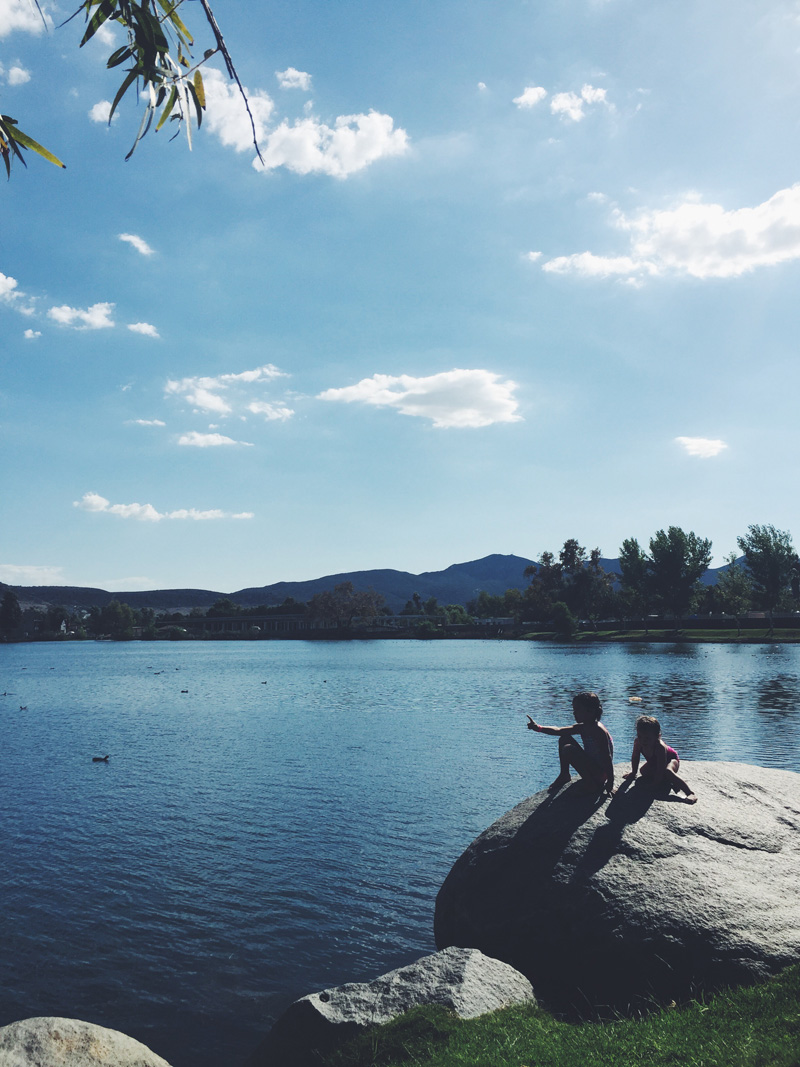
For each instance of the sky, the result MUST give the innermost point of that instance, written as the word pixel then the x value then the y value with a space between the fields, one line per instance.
pixel 510 272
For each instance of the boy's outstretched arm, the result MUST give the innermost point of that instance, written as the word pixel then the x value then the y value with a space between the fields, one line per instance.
pixel 553 731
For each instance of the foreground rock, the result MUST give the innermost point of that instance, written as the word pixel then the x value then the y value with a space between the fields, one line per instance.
pixel 464 980
pixel 604 903
pixel 52 1042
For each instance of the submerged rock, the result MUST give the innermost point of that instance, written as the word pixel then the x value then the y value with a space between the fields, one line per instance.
pixel 464 980
pixel 53 1042
pixel 609 903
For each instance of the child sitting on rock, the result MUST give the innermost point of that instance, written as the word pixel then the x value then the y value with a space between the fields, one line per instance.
pixel 594 760
pixel 662 762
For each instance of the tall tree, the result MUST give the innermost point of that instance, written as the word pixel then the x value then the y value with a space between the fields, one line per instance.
pixel 734 590
pixel 770 556
pixel 677 562
pixel 10 612
pixel 635 577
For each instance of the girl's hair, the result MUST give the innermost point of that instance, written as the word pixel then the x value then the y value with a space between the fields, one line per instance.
pixel 648 725
pixel 590 701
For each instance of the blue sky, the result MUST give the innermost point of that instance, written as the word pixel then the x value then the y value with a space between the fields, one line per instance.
pixel 513 272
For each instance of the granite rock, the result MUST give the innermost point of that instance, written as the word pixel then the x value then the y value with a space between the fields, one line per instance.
pixel 644 897
pixel 54 1042
pixel 464 980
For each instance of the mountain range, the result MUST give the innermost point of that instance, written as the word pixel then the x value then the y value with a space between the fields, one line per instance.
pixel 455 585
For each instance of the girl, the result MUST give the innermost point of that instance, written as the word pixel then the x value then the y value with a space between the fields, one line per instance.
pixel 594 761
pixel 662 761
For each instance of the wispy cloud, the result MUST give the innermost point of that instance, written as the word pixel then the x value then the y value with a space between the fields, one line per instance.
pixel 21 15
pixel 704 447
pixel 309 146
pixel 17 76
pixel 572 105
pixel 13 296
pixel 97 504
pixel 271 412
pixel 146 422
pixel 305 146
pixel 96 317
pixel 293 79
pixel 697 240
pixel 37 574
pixel 100 112
pixel 219 394
pixel 208 440
pixel 144 328
pixel 138 243
pixel 530 96
pixel 451 399
pixel 31 335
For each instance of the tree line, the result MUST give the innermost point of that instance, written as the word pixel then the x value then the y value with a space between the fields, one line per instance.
pixel 562 590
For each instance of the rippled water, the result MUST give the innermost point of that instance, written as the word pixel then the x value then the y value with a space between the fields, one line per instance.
pixel 286 823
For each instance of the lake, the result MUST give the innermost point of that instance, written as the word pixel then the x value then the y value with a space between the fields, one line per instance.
pixel 285 823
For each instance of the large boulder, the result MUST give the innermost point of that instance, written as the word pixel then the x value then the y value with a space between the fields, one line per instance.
pixel 609 903
pixel 53 1042
pixel 462 979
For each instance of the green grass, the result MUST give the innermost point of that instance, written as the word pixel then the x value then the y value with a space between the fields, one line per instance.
pixel 754 1027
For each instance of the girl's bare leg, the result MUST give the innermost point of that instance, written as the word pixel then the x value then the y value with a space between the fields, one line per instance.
pixel 570 753
pixel 564 744
pixel 677 783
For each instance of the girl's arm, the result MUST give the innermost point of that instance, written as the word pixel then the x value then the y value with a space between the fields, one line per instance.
pixel 553 731
pixel 634 760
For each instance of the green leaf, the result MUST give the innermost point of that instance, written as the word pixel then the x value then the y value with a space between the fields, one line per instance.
pixel 28 142
pixel 173 96
pixel 118 57
pixel 199 89
pixel 130 78
pixel 172 14
pixel 103 13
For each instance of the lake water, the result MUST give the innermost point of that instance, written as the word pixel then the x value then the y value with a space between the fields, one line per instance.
pixel 286 823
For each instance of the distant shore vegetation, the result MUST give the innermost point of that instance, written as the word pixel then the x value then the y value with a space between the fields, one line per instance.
pixel 656 594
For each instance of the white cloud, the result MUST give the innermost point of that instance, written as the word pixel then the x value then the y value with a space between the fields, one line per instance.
pixel 96 317
pixel 8 289
pixel 31 335
pixel 144 328
pixel 704 447
pixel 699 240
pixel 100 111
pixel 204 393
pixel 226 115
pixel 18 76
pixel 21 15
pixel 533 256
pixel 311 147
pixel 138 243
pixel 21 574
pixel 208 440
pixel 294 79
pixel 93 502
pixel 146 422
pixel 452 399
pixel 571 105
pixel 482 86
pixel 531 96
pixel 271 412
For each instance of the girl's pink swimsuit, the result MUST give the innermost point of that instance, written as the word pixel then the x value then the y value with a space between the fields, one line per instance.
pixel 649 766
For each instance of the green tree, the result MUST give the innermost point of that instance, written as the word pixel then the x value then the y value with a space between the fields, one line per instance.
pixel 635 577
pixel 343 604
pixel 734 590
pixel 10 613
pixel 677 562
pixel 222 607
pixel 117 620
pixel 156 58
pixel 770 557
pixel 563 620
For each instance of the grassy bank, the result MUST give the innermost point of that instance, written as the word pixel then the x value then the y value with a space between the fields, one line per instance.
pixel 726 636
pixel 754 1027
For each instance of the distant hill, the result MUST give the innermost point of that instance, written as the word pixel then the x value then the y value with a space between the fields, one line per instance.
pixel 455 585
